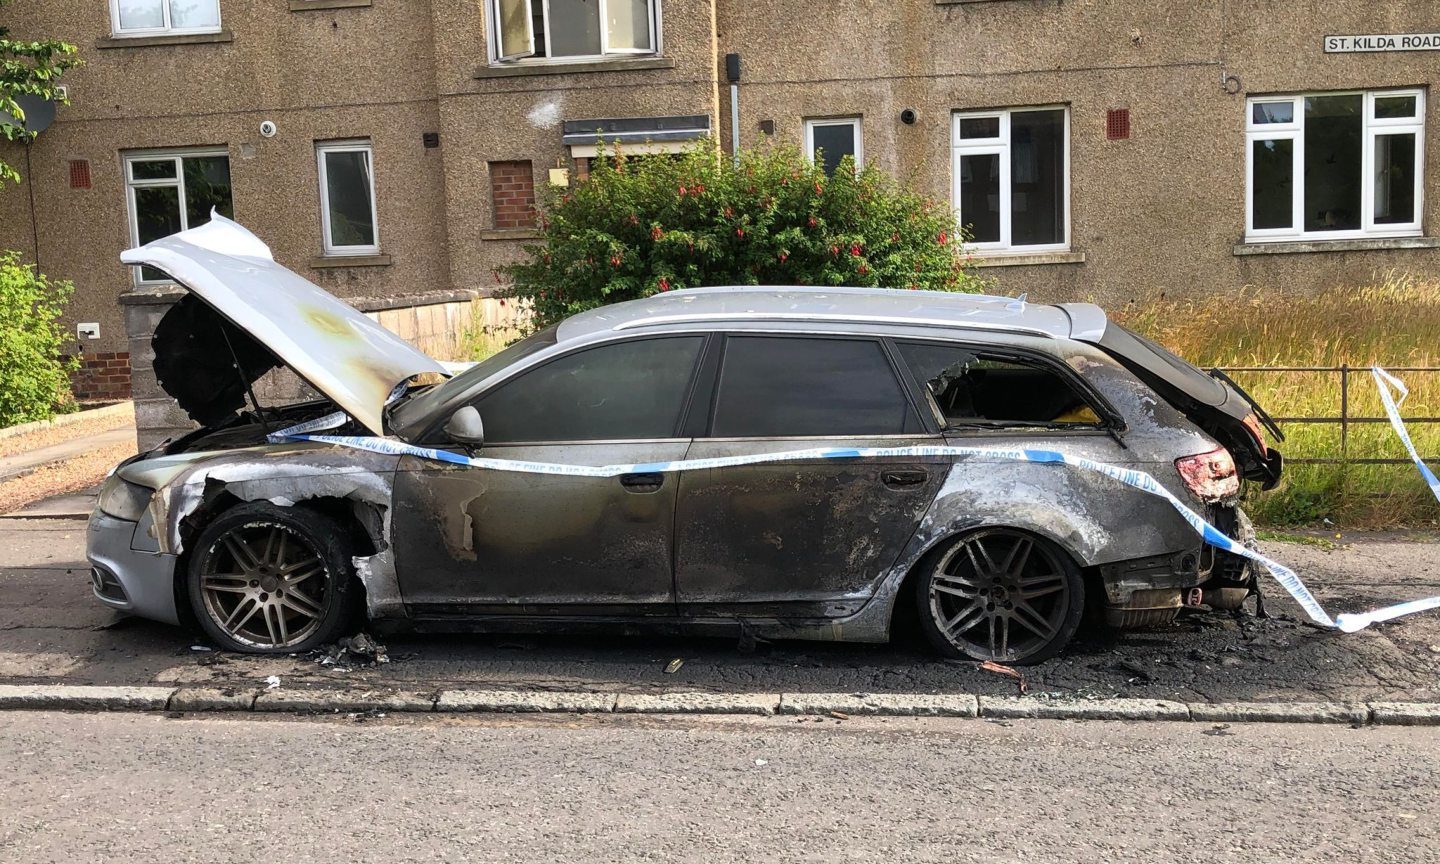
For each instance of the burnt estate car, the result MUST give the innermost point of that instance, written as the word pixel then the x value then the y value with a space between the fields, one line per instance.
pixel 279 547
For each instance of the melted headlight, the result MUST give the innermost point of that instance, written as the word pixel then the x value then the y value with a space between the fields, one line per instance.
pixel 124 500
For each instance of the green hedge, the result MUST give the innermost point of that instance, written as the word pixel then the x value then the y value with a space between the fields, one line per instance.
pixel 34 375
pixel 639 225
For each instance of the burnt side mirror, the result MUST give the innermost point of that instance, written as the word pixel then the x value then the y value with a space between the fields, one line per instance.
pixel 464 427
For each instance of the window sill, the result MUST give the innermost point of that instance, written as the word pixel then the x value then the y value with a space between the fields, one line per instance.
pixel 1290 247
pixel 510 234
pixel 324 262
pixel 166 39
pixel 1029 259
pixel 623 64
pixel 314 5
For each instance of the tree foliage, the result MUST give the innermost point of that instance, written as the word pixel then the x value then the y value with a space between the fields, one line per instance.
pixel 36 381
pixel 639 225
pixel 28 67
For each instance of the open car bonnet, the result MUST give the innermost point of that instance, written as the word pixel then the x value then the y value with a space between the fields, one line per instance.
pixel 243 308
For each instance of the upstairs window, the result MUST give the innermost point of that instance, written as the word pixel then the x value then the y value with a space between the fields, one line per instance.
pixel 572 29
pixel 1334 165
pixel 169 192
pixel 1012 178
pixel 161 17
pixel 347 198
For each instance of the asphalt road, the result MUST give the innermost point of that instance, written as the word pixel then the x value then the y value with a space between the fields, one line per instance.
pixel 122 788
pixel 52 631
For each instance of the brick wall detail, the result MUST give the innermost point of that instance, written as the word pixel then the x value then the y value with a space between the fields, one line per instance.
pixel 512 194
pixel 104 375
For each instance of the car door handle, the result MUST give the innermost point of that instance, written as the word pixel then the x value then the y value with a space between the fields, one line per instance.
pixel 903 479
pixel 649 481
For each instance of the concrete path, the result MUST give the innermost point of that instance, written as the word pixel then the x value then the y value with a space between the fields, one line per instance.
pixel 21 464
pixel 53 631
pixel 132 788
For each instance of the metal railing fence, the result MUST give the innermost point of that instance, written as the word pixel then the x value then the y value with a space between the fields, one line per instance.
pixel 1345 419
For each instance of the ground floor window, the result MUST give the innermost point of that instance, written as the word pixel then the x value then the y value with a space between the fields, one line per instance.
pixel 1011 178
pixel 1334 165
pixel 830 141
pixel 171 191
pixel 347 198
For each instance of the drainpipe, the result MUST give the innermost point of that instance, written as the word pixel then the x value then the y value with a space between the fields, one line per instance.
pixel 732 74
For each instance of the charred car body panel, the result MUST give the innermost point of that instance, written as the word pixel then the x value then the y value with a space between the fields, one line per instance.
pixel 809 549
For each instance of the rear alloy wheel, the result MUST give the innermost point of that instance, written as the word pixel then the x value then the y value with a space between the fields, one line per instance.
pixel 269 579
pixel 1001 594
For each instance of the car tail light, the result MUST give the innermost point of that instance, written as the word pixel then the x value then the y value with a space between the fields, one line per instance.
pixel 1252 424
pixel 1211 476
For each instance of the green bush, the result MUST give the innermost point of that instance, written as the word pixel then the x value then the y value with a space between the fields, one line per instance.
pixel 639 225
pixel 34 376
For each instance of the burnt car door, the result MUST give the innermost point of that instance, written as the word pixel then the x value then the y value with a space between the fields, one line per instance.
pixel 469 538
pixel 802 538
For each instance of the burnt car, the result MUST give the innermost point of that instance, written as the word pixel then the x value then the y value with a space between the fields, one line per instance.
pixel 279 547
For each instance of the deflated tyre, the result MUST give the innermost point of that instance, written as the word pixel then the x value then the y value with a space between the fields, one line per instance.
pixel 1000 594
pixel 268 579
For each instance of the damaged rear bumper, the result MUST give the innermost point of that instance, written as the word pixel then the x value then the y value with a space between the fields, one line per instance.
pixel 127 579
pixel 1148 592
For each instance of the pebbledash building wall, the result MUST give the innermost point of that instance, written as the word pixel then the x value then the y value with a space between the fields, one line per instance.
pixel 389 150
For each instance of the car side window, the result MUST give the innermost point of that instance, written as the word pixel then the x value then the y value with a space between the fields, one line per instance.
pixel 971 387
pixel 634 389
pixel 774 386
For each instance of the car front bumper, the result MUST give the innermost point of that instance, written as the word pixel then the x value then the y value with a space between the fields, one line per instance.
pixel 128 579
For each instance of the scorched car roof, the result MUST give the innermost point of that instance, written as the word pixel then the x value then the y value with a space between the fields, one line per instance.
pixel 842 305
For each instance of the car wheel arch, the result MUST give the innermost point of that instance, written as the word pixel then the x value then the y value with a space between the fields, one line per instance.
pixel 363 522
pixel 936 543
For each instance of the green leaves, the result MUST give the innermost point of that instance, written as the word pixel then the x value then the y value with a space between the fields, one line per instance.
pixel 36 380
pixel 646 224
pixel 28 68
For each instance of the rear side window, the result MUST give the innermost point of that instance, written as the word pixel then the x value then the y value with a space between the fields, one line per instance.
pixel 969 387
pixel 622 390
pixel 780 386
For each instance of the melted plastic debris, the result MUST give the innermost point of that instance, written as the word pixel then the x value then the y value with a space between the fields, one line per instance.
pixel 358 651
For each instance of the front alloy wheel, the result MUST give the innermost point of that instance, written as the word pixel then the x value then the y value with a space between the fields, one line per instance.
pixel 268 579
pixel 1001 594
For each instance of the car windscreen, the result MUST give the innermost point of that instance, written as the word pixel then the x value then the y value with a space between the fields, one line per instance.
pixel 1154 361
pixel 431 400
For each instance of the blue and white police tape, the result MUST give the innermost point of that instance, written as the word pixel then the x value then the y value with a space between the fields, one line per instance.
pixel 333 420
pixel 1289 580
pixel 1384 382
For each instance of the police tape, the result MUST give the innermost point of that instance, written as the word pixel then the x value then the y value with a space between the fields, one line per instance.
pixel 1288 579
pixel 1388 384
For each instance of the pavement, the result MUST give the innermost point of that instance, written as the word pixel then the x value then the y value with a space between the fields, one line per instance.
pixel 20 464
pixel 52 632
pixel 137 788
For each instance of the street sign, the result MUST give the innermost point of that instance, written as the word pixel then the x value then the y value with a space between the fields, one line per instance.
pixel 1382 42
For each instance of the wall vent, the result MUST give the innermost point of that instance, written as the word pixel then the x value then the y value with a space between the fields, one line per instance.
pixel 1117 124
pixel 79 174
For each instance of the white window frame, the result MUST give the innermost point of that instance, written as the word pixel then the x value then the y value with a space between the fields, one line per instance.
pixel 163 30
pixel 322 148
pixel 1001 145
pixel 855 122
pixel 178 156
pixel 492 13
pixel 1370 129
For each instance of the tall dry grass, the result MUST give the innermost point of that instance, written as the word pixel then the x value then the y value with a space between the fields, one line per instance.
pixel 1394 322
